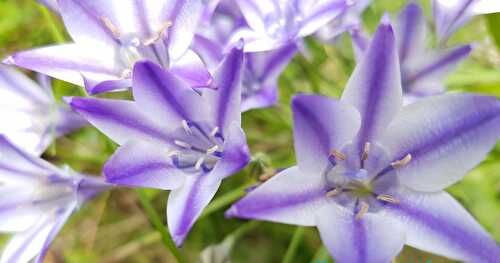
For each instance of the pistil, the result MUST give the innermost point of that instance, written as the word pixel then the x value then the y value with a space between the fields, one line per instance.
pixel 363 209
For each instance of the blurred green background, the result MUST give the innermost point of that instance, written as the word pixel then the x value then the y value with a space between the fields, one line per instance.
pixel 116 227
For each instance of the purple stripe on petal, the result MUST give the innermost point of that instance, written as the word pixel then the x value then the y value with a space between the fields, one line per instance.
pixel 277 61
pixel 409 20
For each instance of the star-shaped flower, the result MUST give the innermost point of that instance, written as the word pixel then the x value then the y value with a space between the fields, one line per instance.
pixel 371 173
pixel 111 35
pixel 37 199
pixel 30 116
pixel 173 138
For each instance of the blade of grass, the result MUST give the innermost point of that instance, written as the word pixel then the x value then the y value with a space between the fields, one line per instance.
pixel 225 199
pixel 156 221
pixel 294 244
pixel 321 255
pixel 54 30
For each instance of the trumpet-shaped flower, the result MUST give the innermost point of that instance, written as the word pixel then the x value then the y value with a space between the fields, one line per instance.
pixel 423 70
pixel 278 23
pixel 29 114
pixel 261 69
pixel 173 138
pixel 110 36
pixel 371 173
pixel 37 199
pixel 450 15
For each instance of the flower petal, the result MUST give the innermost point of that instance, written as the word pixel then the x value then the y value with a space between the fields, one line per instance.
pixel 139 164
pixel 411 31
pixel 121 120
pixel 290 197
pixel 165 97
pixel 68 62
pixel 446 136
pixel 226 99
pixel 15 82
pixel 269 65
pixel 359 240
pixel 375 86
pixel 68 121
pixel 320 14
pixel 191 69
pixel 435 222
pixel 266 96
pixel 186 204
pixel 321 125
pixel 16 215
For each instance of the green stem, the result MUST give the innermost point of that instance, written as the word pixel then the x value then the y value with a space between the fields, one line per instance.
pixel 225 200
pixel 54 30
pixel 156 221
pixel 321 255
pixel 294 244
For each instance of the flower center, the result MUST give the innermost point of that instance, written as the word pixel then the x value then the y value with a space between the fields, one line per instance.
pixel 198 147
pixel 362 181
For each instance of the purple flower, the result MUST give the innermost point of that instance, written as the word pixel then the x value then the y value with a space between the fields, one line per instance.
pixel 371 173
pixel 30 116
pixel 423 70
pixel 37 199
pixel 261 70
pixel 110 36
pixel 278 23
pixel 450 15
pixel 173 138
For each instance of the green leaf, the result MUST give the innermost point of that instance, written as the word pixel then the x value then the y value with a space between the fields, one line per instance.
pixel 493 21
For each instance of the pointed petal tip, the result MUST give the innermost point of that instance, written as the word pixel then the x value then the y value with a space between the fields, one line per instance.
pixel 232 212
pixel 67 99
pixel 386 20
pixel 9 60
pixel 179 239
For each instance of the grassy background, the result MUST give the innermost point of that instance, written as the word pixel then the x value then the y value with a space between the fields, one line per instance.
pixel 115 228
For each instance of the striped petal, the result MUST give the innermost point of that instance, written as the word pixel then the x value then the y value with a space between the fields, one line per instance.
pixel 359 240
pixel 292 197
pixel 375 87
pixel 121 120
pixel 411 31
pixel 16 215
pixel 435 222
pixel 446 136
pixel 138 164
pixel 191 68
pixel 320 126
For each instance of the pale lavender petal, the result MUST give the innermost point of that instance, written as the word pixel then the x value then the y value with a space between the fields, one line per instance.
pixel 268 66
pixel 15 82
pixel 186 203
pixel 435 222
pixel 191 68
pixel 88 187
pixel 68 121
pixel 291 197
pixel 15 210
pixel 321 125
pixel 225 101
pixel 165 97
pixel 139 164
pixel 360 42
pixel 254 13
pixel 209 50
pixel 322 12
pixel 96 84
pixel 375 86
pixel 68 62
pixel 449 15
pixel 411 31
pixel 266 96
pixel 121 120
pixel 374 238
pixel 446 136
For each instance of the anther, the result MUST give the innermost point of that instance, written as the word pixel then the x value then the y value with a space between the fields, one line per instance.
pixel 172 153
pixel 214 131
pixel 334 192
pixel 110 26
pixel 158 34
pixel 199 162
pixel 212 149
pixel 338 155
pixel 388 198
pixel 186 127
pixel 402 162
pixel 363 209
pixel 182 144
pixel 366 151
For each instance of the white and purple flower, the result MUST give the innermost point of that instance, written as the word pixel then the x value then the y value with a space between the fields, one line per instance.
pixel 450 15
pixel 111 35
pixel 423 70
pixel 37 199
pixel 277 23
pixel 30 116
pixel 371 173
pixel 261 70
pixel 173 138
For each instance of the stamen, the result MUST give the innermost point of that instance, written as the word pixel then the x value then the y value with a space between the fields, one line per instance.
pixel 366 151
pixel 212 149
pixel 110 26
pixel 158 34
pixel 186 127
pixel 363 209
pixel 182 144
pixel 402 162
pixel 172 153
pixel 338 155
pixel 388 198
pixel 334 192
pixel 199 162
pixel 214 131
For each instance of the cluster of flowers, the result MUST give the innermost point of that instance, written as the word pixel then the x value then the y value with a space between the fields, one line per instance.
pixel 370 172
